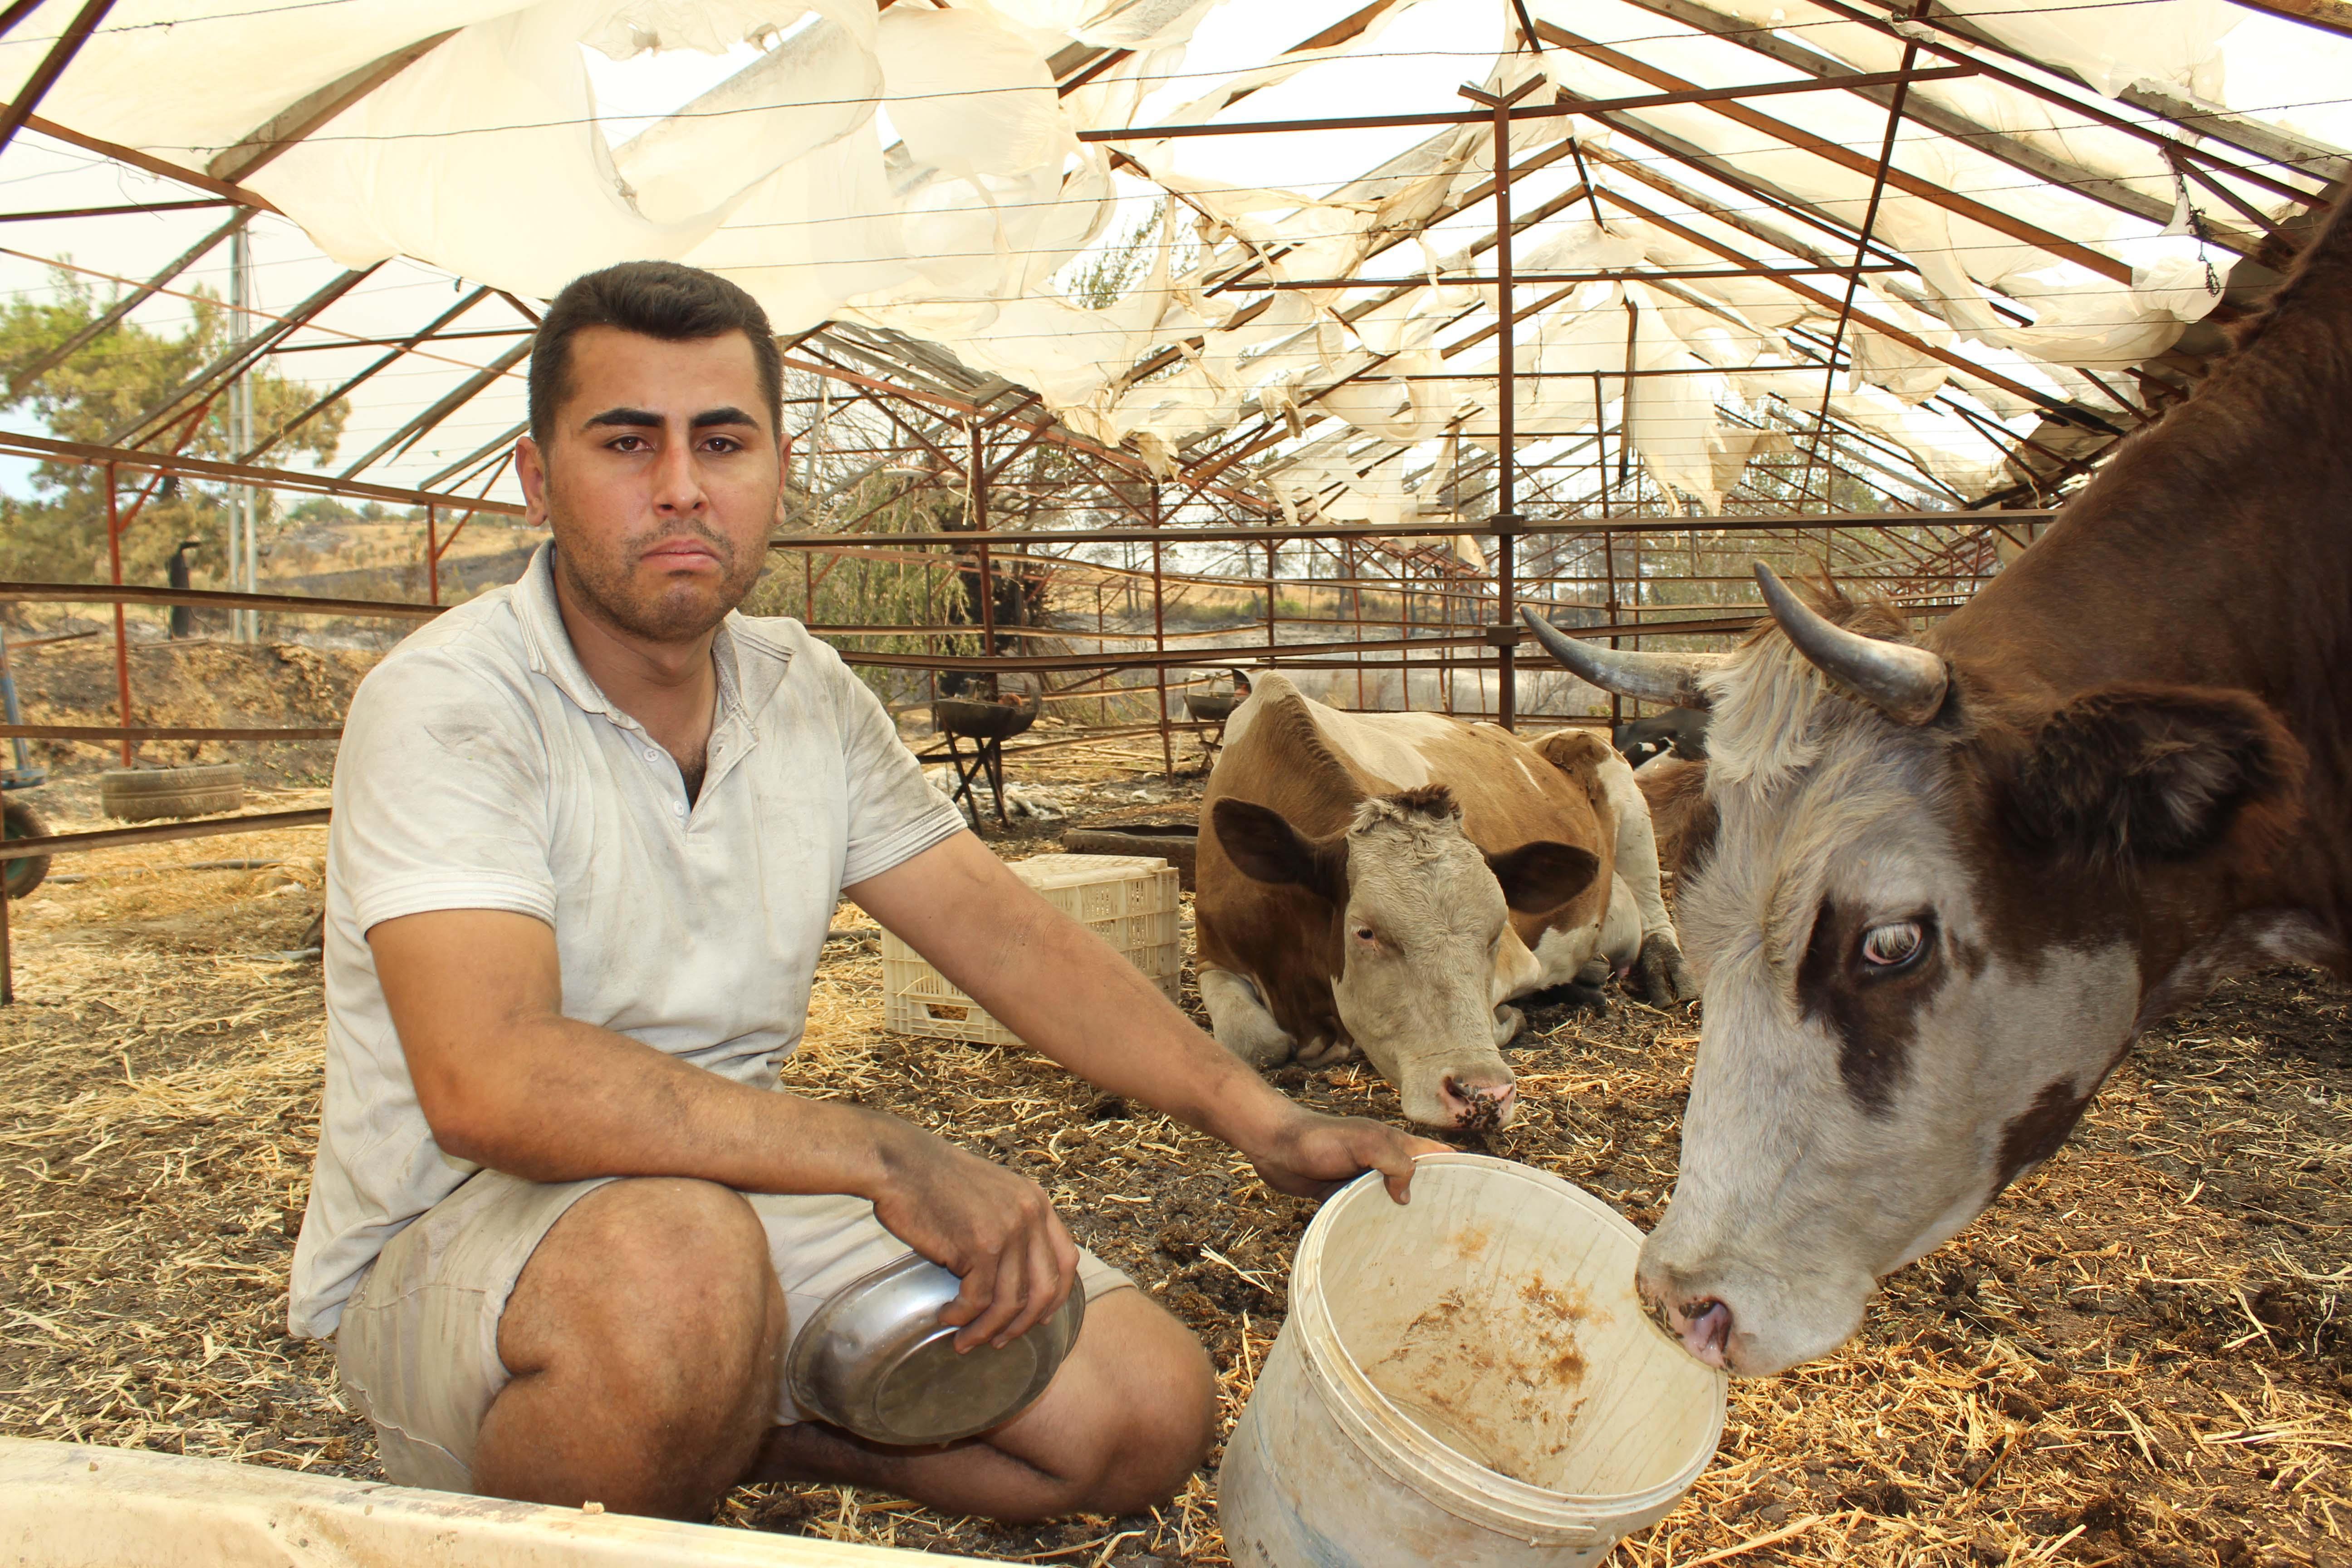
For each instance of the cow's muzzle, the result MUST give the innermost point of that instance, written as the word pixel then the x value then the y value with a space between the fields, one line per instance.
pixel 1702 1323
pixel 1477 1106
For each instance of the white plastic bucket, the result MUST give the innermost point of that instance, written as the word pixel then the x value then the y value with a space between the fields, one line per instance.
pixel 1466 1380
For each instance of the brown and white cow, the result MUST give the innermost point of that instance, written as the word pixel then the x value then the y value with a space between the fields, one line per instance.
pixel 1387 881
pixel 1940 884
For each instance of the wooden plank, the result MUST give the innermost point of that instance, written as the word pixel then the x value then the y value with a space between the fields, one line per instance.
pixel 2243 131
pixel 138 160
pixel 1236 533
pixel 286 128
pixel 205 598
pixel 2334 16
pixel 48 447
pixel 1999 222
pixel 1688 92
pixel 162 833
pixel 108 735
pixel 2041 400
pixel 53 65
pixel 1938 117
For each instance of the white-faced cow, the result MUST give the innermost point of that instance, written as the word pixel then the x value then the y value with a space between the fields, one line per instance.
pixel 1387 881
pixel 1938 884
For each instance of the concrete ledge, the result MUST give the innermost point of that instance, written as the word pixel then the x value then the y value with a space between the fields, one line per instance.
pixel 70 1506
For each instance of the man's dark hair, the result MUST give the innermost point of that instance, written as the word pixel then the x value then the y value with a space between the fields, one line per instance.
pixel 655 299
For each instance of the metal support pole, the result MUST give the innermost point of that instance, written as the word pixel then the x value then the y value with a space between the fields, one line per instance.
pixel 1506 549
pixel 244 556
pixel 1159 642
pixel 1609 557
pixel 1270 638
pixel 53 63
pixel 114 575
pixel 1405 653
pixel 1445 653
pixel 8 958
pixel 1355 594
pixel 976 485
pixel 432 555
pixel 1505 632
pixel 8 705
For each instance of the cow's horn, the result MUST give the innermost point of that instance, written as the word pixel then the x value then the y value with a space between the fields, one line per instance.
pixel 1905 683
pixel 1670 678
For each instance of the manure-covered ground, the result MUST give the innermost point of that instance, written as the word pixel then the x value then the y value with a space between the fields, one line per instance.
pixel 2141 1356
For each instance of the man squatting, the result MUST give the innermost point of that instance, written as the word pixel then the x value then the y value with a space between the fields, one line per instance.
pixel 588 833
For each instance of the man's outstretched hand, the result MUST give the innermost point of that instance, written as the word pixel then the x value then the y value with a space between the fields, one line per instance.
pixel 1309 1155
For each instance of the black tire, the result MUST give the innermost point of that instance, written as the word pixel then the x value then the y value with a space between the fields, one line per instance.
pixel 141 795
pixel 23 822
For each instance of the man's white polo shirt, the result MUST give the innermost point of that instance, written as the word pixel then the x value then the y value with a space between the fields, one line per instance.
pixel 481 769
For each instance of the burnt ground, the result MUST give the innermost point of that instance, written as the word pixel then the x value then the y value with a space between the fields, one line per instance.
pixel 198 684
pixel 2140 1357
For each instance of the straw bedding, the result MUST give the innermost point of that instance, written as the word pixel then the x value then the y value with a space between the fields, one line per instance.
pixel 2140 1357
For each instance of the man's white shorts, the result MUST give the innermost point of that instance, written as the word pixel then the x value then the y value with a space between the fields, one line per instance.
pixel 418 1344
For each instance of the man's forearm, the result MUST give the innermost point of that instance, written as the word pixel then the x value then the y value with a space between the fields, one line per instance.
pixel 560 1101
pixel 1060 988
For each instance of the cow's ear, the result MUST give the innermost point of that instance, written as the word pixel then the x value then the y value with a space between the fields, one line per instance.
pixel 1542 875
pixel 1264 847
pixel 2144 773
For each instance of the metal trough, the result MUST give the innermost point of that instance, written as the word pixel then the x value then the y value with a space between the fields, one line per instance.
pixel 70 1506
pixel 1179 843
pixel 1214 707
pixel 984 720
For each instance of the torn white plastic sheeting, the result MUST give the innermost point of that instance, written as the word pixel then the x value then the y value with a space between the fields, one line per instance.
pixel 184 79
pixel 947 216
pixel 1730 449
pixel 1910 375
pixel 66 1505
pixel 500 119
pixel 1116 23
pixel 970 95
pixel 2179 43
pixel 810 89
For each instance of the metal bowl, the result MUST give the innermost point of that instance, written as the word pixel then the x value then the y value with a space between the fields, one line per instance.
pixel 877 1360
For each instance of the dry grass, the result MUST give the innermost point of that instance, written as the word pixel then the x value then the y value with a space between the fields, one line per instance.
pixel 161 1077
pixel 2141 1357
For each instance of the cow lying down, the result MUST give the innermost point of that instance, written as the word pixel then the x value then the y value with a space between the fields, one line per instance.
pixel 1386 883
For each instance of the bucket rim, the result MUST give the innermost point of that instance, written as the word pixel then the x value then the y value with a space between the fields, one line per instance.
pixel 1486 1491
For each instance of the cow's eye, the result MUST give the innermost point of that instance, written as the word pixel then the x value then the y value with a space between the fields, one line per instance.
pixel 1367 935
pixel 1893 944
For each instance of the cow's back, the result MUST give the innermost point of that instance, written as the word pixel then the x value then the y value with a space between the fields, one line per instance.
pixel 1314 763
pixel 1513 792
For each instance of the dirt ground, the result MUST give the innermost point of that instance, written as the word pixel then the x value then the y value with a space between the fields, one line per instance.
pixel 2141 1357
pixel 202 683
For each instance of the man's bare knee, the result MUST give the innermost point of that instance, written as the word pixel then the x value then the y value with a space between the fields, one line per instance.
pixel 643 1272
pixel 643 1339
pixel 1167 1436
pixel 1150 1419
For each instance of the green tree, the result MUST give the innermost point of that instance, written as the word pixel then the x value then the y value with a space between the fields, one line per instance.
pixel 892 585
pixel 58 534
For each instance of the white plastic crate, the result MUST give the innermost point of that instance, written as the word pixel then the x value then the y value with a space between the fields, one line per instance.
pixel 1129 901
